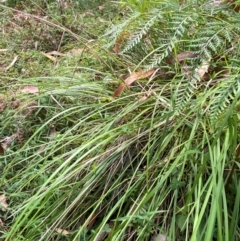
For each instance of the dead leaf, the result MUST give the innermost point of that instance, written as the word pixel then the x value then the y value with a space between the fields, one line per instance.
pixel 62 231
pixel 203 69
pixel 7 141
pixel 133 77
pixel 181 57
pixel 55 53
pixel 3 202
pixel 216 3
pixel 120 39
pixel 30 89
pixel 101 20
pixel 3 50
pixel 75 52
pixel 145 97
pixel 185 55
pixel 100 8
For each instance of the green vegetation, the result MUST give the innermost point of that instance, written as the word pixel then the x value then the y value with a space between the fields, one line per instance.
pixel 84 156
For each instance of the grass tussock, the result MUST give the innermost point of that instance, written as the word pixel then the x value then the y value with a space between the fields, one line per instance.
pixel 159 160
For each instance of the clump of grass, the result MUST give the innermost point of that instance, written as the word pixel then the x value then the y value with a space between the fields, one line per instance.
pixel 82 165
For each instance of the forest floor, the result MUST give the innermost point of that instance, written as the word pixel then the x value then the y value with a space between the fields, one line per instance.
pixel 84 156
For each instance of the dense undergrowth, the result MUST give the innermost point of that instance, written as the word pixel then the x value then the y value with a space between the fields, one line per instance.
pixel 86 157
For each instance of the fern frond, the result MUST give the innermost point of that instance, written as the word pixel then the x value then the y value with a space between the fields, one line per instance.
pixel 210 39
pixel 189 86
pixel 143 30
pixel 227 93
pixel 114 32
pixel 184 94
pixel 210 33
pixel 178 28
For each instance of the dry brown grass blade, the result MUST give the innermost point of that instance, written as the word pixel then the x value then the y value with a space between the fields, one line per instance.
pixel 12 63
pixel 133 77
pixel 93 219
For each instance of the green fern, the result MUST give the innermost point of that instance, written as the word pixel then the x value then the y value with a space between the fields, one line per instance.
pixel 114 32
pixel 227 94
pixel 177 30
pixel 209 31
pixel 150 20
pixel 211 39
